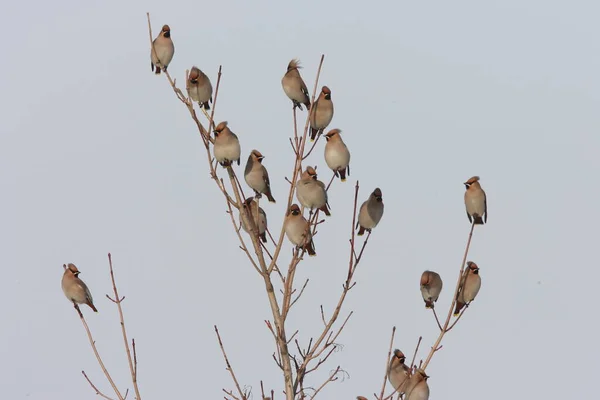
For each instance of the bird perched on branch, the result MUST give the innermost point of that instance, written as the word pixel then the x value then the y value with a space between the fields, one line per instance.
pixel 398 372
pixel 199 88
pixel 370 212
pixel 418 388
pixel 162 50
pixel 227 145
pixel 311 192
pixel 294 87
pixel 469 286
pixel 75 289
pixel 321 113
pixel 256 175
pixel 252 207
pixel 297 229
pixel 475 201
pixel 337 155
pixel 431 287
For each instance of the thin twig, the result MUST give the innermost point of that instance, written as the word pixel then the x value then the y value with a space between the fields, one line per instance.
pixel 132 369
pixel 93 344
pixel 387 363
pixel 98 392
pixel 229 368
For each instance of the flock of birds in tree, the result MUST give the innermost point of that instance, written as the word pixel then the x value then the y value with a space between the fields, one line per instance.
pixel 311 193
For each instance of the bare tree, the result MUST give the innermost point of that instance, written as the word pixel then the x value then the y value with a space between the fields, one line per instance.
pixel 296 361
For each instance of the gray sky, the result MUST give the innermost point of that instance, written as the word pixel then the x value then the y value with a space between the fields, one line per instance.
pixel 97 155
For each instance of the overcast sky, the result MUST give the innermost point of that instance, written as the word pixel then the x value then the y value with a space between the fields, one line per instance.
pixel 98 156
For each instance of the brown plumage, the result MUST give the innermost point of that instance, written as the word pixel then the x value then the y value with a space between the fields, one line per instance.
pixel 251 207
pixel 227 145
pixel 431 287
pixel 199 88
pixel 297 229
pixel 256 175
pixel 75 289
pixel 294 86
pixel 370 212
pixel 475 201
pixel 321 113
pixel 162 50
pixel 337 155
pixel 469 286
pixel 311 192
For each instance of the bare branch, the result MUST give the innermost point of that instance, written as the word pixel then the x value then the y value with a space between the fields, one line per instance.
pixel 98 392
pixel 132 369
pixel 229 368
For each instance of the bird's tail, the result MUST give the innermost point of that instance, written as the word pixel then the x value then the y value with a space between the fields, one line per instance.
pixel 361 231
pixel 89 303
pixel 459 307
pixel 263 237
pixel 270 196
pixel 313 134
pixel 478 220
pixel 325 209
pixel 310 248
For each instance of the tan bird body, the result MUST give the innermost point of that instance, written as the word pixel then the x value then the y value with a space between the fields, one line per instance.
pixel 199 88
pixel 417 388
pixel 370 212
pixel 256 175
pixel 337 155
pixel 252 205
pixel 311 192
pixel 162 50
pixel 469 286
pixel 475 201
pixel 398 372
pixel 321 113
pixel 431 287
pixel 294 86
pixel 227 146
pixel 297 229
pixel 75 289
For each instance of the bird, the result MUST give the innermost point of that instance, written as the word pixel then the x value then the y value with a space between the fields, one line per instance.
pixel 162 50
pixel 256 175
pixel 321 113
pixel 297 229
pixel 311 193
pixel 75 289
pixel 294 87
pixel 431 287
pixel 227 145
pixel 199 88
pixel 251 205
pixel 469 286
pixel 337 155
pixel 370 212
pixel 417 388
pixel 475 201
pixel 398 372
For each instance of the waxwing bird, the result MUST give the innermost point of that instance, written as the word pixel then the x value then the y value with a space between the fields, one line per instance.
pixel 417 388
pixel 227 146
pixel 251 206
pixel 294 87
pixel 311 193
pixel 256 175
pixel 469 286
pixel 370 212
pixel 475 201
pixel 398 372
pixel 297 229
pixel 75 289
pixel 337 155
pixel 199 88
pixel 431 287
pixel 321 113
pixel 162 50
